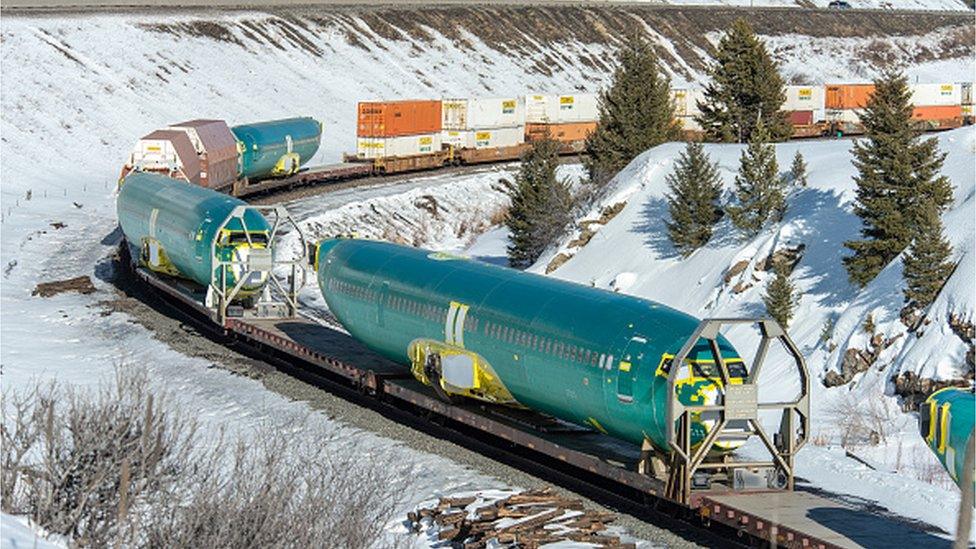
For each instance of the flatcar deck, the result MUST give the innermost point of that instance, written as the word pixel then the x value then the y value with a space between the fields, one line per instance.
pixel 802 519
pixel 791 519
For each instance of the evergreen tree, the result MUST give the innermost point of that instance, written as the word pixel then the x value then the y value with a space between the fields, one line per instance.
pixel 799 170
pixel 759 189
pixel 926 265
pixel 693 199
pixel 898 174
pixel 541 204
pixel 781 298
pixel 745 88
pixel 636 112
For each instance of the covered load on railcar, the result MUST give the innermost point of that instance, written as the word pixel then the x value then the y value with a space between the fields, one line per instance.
pixel 192 232
pixel 581 354
pixel 277 148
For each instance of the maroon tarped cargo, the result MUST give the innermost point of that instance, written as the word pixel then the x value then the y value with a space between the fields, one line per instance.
pixel 217 148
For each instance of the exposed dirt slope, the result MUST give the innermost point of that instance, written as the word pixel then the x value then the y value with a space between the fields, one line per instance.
pixel 684 37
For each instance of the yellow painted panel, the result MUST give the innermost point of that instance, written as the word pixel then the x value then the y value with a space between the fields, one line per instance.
pixel 944 427
pixel 624 366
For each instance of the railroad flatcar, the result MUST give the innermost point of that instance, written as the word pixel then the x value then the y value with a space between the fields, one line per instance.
pixel 190 232
pixel 469 329
pixel 946 421
pixel 277 148
pixel 211 154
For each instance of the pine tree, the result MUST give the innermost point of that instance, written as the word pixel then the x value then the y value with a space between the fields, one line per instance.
pixel 781 298
pixel 636 112
pixel 799 170
pixel 898 173
pixel 693 199
pixel 926 265
pixel 759 189
pixel 745 88
pixel 541 204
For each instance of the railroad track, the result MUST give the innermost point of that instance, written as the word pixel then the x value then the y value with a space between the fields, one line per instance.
pixel 313 350
pixel 593 487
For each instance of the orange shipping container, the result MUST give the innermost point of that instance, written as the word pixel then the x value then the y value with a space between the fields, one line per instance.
pixel 848 96
pixel 940 112
pixel 398 118
pixel 564 133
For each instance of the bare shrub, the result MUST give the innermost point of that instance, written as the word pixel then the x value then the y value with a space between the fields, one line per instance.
pixel 278 491
pixel 119 467
pixel 860 420
pixel 84 457
pixel 20 431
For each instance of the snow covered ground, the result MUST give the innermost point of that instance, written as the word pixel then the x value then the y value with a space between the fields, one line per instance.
pixel 632 254
pixel 68 338
pixel 78 91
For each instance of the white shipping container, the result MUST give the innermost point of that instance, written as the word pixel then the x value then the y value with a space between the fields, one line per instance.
pixel 482 113
pixel 804 98
pixel 927 95
pixel 408 145
pixel 486 138
pixel 686 101
pixel 155 155
pixel 559 109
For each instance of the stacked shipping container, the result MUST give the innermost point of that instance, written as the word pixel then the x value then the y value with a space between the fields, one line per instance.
pixel 480 123
pixel 937 106
pixel 805 105
pixel 398 128
pixel 567 118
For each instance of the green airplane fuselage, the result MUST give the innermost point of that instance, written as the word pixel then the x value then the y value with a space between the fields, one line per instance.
pixel 581 354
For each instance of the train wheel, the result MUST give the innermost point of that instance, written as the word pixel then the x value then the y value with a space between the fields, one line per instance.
pixel 432 369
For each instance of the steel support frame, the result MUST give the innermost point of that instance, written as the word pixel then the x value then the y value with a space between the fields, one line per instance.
pixel 288 291
pixel 686 460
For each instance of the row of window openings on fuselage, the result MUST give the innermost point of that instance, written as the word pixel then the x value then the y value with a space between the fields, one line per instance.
pixel 494 330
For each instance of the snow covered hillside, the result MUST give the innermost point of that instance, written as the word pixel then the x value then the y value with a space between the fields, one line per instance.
pixel 78 90
pixel 95 83
pixel 631 253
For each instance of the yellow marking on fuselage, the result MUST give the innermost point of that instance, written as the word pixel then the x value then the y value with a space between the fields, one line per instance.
pixel 932 417
pixel 692 378
pixel 592 421
pixel 944 428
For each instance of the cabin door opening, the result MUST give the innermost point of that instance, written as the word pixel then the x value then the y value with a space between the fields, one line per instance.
pixel 628 366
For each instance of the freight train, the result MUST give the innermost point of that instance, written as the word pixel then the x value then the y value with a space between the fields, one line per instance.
pixel 411 135
pixel 195 233
pixel 946 422
pixel 584 355
pixel 835 109
pixel 211 154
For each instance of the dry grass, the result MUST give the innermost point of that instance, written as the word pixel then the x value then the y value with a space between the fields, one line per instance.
pixel 120 467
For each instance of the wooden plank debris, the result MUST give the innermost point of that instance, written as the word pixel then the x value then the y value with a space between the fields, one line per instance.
pixel 525 520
